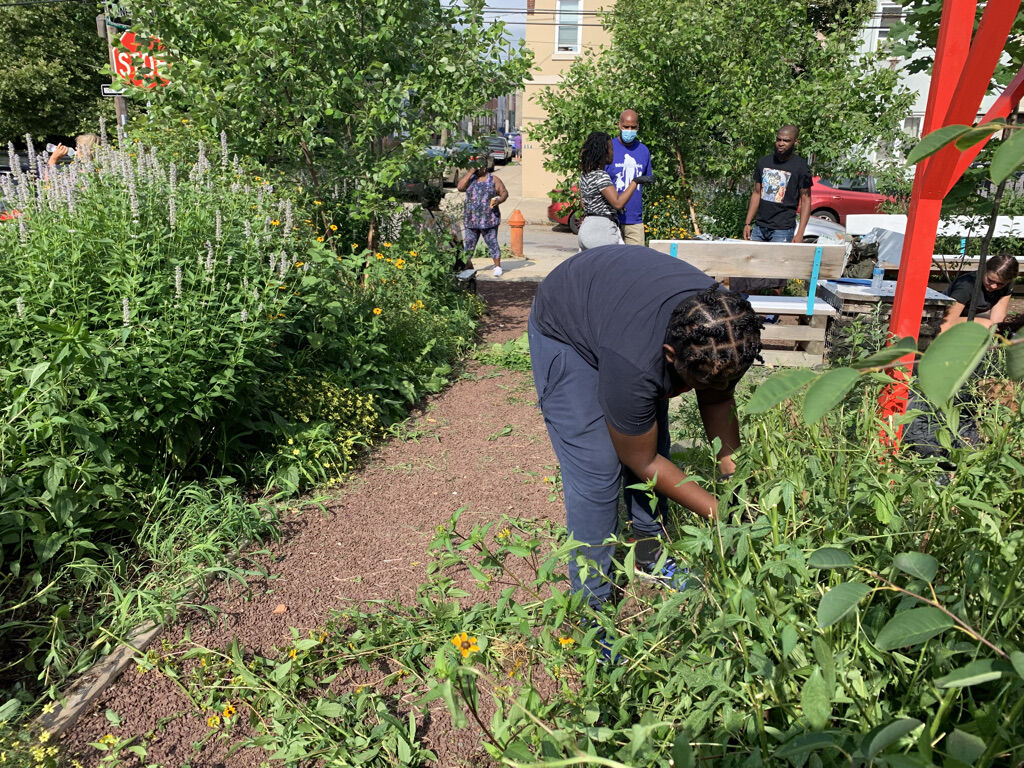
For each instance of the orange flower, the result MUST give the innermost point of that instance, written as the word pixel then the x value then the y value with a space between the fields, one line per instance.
pixel 465 644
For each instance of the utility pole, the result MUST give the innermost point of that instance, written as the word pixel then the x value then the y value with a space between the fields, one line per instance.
pixel 109 30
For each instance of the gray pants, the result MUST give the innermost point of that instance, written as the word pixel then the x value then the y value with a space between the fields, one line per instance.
pixel 597 230
pixel 591 471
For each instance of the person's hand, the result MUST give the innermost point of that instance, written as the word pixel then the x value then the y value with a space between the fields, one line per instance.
pixel 746 231
pixel 59 152
pixel 494 201
pixel 645 179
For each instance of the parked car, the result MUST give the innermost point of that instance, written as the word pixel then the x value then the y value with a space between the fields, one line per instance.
pixel 464 155
pixel 566 213
pixel 834 200
pixel 501 148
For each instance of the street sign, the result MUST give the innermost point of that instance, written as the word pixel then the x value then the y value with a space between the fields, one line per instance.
pixel 108 91
pixel 141 68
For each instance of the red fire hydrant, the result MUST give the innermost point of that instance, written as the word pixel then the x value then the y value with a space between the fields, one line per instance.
pixel 516 223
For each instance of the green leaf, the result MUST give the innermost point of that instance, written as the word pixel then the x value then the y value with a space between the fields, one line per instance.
pixel 976 134
pixel 33 374
pixel 1017 659
pixel 919 565
pixel 839 601
pixel 935 141
pixel 682 752
pixel 9 709
pixel 778 387
pixel 826 392
pixel 975 673
pixel 1015 359
pixel 329 709
pixel 963 746
pixel 950 359
pixel 1007 157
pixel 830 557
pixel 885 735
pixel 887 355
pixel 912 627
pixel 807 743
pixel 816 701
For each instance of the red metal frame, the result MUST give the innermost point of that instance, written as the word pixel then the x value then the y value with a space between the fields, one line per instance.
pixel 960 77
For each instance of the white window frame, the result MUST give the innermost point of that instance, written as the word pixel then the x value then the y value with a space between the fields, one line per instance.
pixel 888 11
pixel 568 19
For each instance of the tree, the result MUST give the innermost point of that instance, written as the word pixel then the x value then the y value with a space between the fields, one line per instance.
pixel 712 82
pixel 332 93
pixel 52 62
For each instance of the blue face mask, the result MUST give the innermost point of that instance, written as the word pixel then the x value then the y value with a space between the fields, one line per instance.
pixel 628 135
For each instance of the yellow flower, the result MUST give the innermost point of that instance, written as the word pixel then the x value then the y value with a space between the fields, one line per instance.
pixel 465 644
pixel 334 227
pixel 380 255
pixel 213 721
pixel 504 533
pixel 295 452
pixel 299 263
pixel 108 739
pixel 354 246
pixel 317 202
pixel 229 711
pixel 275 223
pixel 282 287
pixel 184 120
pixel 400 264
pixel 319 239
pixel 412 253
pixel 49 707
pixel 293 652
pixel 323 637
pixel 564 641
pixel 377 310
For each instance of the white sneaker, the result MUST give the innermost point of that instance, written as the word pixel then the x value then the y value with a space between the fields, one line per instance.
pixel 498 271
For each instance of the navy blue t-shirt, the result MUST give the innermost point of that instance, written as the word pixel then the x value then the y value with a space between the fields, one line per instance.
pixel 612 305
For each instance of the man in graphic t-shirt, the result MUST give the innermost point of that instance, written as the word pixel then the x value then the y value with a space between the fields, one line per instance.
pixel 782 188
pixel 632 159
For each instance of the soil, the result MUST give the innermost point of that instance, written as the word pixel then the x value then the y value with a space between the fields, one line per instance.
pixel 370 545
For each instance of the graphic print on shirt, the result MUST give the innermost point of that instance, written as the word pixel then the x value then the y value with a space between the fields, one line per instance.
pixel 630 170
pixel 773 184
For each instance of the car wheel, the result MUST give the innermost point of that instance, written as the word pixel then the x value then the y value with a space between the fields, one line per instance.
pixel 574 223
pixel 826 214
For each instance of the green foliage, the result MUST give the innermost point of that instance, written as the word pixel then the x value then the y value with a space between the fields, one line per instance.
pixel 851 612
pixel 513 355
pixel 51 59
pixel 667 213
pixel 162 327
pixel 323 94
pixel 712 84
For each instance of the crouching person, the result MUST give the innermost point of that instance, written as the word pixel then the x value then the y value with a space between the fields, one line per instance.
pixel 615 331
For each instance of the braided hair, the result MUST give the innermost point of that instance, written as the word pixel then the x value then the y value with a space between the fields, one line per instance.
pixel 594 154
pixel 715 333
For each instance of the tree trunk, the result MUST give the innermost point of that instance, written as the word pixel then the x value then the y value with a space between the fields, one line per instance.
pixel 689 199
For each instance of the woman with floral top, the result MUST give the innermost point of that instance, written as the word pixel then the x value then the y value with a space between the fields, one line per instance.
pixel 484 193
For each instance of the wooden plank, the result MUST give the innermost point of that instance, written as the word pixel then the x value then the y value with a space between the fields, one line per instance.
pixel 781 332
pixel 791 359
pixel 789 305
pixel 747 258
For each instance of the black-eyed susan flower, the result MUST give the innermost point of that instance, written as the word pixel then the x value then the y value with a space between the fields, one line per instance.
pixel 465 644
pixel 334 227
pixel 565 641
pixel 293 652
pixel 319 239
pixel 400 264
pixel 377 310
pixel 229 711
pixel 213 721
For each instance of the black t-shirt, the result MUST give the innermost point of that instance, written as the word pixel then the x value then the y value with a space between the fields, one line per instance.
pixel 780 190
pixel 962 288
pixel 612 305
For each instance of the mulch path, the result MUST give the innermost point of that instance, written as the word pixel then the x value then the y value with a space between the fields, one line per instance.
pixel 371 545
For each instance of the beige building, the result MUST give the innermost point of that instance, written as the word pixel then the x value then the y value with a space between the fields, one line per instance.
pixel 557 31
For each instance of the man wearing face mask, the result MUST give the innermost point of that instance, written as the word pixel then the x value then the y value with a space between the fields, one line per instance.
pixel 782 186
pixel 631 159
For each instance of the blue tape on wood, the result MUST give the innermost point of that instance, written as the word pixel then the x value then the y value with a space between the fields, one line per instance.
pixel 812 286
pixel 673 250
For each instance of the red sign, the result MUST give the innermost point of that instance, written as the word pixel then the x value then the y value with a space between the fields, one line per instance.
pixel 143 69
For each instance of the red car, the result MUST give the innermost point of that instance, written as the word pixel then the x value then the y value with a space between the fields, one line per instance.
pixel 834 200
pixel 566 213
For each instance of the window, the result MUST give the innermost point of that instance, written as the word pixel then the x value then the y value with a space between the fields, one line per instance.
pixel 891 16
pixel 912 125
pixel 568 29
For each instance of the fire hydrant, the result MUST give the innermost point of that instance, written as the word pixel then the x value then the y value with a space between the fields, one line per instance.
pixel 516 223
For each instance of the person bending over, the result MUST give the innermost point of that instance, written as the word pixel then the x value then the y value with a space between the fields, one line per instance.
pixel 614 332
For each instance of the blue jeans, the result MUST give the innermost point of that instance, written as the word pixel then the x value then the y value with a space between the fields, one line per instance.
pixel 772 235
pixel 591 471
